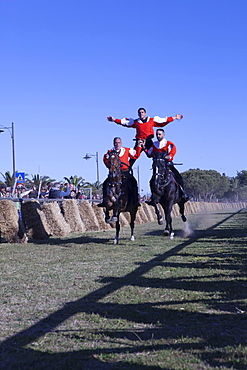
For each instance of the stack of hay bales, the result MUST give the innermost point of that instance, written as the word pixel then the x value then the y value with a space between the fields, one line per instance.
pixel 35 220
pixel 123 220
pixel 99 214
pixel 58 225
pixel 11 226
pixel 149 210
pixel 175 210
pixel 88 216
pixel 72 216
pixel 142 214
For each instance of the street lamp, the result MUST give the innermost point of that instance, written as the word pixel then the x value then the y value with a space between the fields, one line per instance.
pixel 88 156
pixel 138 178
pixel 11 131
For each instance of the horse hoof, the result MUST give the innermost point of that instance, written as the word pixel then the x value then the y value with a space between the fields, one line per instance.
pixel 132 238
pixel 184 218
pixel 107 220
pixel 172 236
pixel 113 219
pixel 161 221
pixel 115 241
pixel 166 233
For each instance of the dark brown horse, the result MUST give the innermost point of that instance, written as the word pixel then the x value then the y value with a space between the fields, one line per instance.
pixel 165 190
pixel 119 194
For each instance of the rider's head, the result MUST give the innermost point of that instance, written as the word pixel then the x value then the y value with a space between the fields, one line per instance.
pixel 142 113
pixel 160 134
pixel 117 142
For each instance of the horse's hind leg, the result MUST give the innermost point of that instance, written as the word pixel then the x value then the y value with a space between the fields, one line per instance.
pixel 117 232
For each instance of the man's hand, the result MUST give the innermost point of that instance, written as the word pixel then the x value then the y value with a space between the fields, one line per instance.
pixel 141 143
pixel 178 116
pixel 111 119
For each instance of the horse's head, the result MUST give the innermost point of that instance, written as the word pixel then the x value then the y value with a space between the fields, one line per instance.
pixel 114 164
pixel 160 168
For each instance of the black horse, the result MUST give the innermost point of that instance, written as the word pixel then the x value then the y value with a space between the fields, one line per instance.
pixel 166 191
pixel 120 188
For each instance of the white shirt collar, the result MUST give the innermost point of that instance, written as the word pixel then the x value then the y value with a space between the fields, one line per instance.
pixel 160 144
pixel 120 152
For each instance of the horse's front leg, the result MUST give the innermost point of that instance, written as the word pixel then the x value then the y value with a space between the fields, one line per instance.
pixel 168 230
pixel 115 215
pixel 158 214
pixel 107 216
pixel 155 202
pixel 117 231
pixel 132 224
pixel 181 210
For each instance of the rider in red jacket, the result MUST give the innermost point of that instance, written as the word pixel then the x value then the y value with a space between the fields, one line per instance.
pixel 144 125
pixel 163 145
pixel 125 154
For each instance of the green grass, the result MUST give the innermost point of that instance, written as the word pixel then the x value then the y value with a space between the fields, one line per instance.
pixel 81 302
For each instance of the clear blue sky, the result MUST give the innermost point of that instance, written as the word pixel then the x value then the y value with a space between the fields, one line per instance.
pixel 68 64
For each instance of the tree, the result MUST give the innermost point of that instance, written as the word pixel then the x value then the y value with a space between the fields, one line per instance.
pixel 35 180
pixel 77 181
pixel 242 177
pixel 96 188
pixel 205 184
pixel 9 179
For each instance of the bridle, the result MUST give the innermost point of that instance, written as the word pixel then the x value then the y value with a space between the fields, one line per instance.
pixel 161 179
pixel 114 172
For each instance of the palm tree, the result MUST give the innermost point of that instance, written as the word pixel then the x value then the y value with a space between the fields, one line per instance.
pixel 96 188
pixel 9 179
pixel 36 179
pixel 79 182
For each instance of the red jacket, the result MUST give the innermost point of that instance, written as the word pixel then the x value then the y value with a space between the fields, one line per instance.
pixel 144 130
pixel 162 146
pixel 125 155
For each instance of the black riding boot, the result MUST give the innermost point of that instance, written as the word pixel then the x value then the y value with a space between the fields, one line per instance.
pixel 184 196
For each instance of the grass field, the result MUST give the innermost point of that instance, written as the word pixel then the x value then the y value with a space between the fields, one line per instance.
pixel 81 302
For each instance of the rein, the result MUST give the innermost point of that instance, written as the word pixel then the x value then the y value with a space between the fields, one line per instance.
pixel 160 181
pixel 117 168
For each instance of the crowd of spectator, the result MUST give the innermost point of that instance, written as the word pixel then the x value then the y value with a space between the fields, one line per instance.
pixel 52 190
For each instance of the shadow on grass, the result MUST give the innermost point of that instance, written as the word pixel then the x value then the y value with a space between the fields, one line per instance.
pixel 215 329
pixel 74 240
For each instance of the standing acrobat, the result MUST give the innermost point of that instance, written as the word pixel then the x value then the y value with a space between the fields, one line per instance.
pixel 144 125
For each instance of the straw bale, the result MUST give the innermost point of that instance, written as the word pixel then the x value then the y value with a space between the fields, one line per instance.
pixel 149 210
pixel 123 220
pixel 11 226
pixel 142 214
pixel 175 210
pixel 138 220
pixel 152 210
pixel 35 220
pixel 72 216
pixel 127 216
pixel 55 219
pixel 100 215
pixel 88 216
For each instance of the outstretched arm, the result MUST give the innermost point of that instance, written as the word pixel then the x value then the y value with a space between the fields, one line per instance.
pixel 111 119
pixel 127 122
pixel 178 116
pixel 161 122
